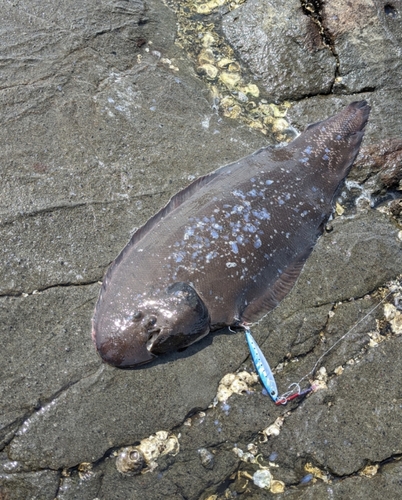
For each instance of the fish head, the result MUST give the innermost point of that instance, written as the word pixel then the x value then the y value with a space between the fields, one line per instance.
pixel 161 321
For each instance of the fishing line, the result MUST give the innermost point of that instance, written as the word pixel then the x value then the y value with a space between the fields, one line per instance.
pixel 294 390
pixel 343 337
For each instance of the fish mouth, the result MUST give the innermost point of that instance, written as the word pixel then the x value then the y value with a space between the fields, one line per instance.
pixel 152 338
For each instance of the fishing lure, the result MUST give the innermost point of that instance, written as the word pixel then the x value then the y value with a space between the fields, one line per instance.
pixel 267 377
pixel 261 365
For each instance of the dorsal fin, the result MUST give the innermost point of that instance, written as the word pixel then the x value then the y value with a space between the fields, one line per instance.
pixel 176 200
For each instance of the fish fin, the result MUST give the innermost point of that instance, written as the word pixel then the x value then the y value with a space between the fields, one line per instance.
pixel 174 202
pixel 276 292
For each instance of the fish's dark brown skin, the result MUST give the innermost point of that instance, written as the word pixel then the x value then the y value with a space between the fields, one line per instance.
pixel 228 248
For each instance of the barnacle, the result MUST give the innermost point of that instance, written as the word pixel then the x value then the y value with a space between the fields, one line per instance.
pixel 142 458
pixel 262 478
pixel 130 459
pixel 237 383
pixel 206 457
pixel 273 429
pixel 316 472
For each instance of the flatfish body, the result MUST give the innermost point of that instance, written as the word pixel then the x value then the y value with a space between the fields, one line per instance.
pixel 228 248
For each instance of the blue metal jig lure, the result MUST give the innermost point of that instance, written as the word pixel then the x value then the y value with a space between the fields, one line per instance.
pixel 261 365
pixel 267 377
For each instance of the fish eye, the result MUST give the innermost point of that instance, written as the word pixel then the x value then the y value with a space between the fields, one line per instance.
pixel 152 320
pixel 137 315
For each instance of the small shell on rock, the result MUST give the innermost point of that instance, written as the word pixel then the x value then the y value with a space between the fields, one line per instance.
pixel 338 370
pixel 233 112
pixel 277 486
pixel 396 324
pixel 130 459
pixel 142 458
pixel 339 209
pixel 279 125
pixel 322 374
pixel 316 472
pixel 375 338
pixel 235 383
pixel 208 39
pixel 273 429
pixel 206 56
pixel 320 382
pixel 228 379
pixel 239 386
pixel 369 471
pixel 251 89
pixel 225 61
pixel 207 458
pixel 84 470
pixel 244 456
pixel 252 448
pixel 389 311
pixel 241 96
pixel 234 67
pixel 208 7
pixel 209 70
pixel 229 79
pixel 249 378
pixel 223 393
pixel 262 478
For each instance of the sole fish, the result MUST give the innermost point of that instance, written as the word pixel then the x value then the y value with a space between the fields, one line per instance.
pixel 228 248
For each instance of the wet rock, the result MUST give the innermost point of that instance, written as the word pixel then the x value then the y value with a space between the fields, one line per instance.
pixel 367 38
pixel 104 119
pixel 341 428
pixel 283 48
pixel 44 354
pixel 76 485
pixel 386 484
pixel 40 485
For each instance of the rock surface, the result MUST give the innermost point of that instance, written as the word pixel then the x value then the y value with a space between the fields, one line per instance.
pixel 103 120
pixel 283 47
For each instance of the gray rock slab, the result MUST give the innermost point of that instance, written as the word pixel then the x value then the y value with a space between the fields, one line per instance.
pixel 112 407
pixel 367 38
pixel 40 485
pixel 282 47
pixel 354 422
pixel 387 484
pixel 46 348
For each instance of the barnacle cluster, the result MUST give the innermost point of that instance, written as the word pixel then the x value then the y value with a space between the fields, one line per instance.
pixel 262 477
pixel 234 93
pixel 391 324
pixel 235 383
pixel 142 458
pixel 316 472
